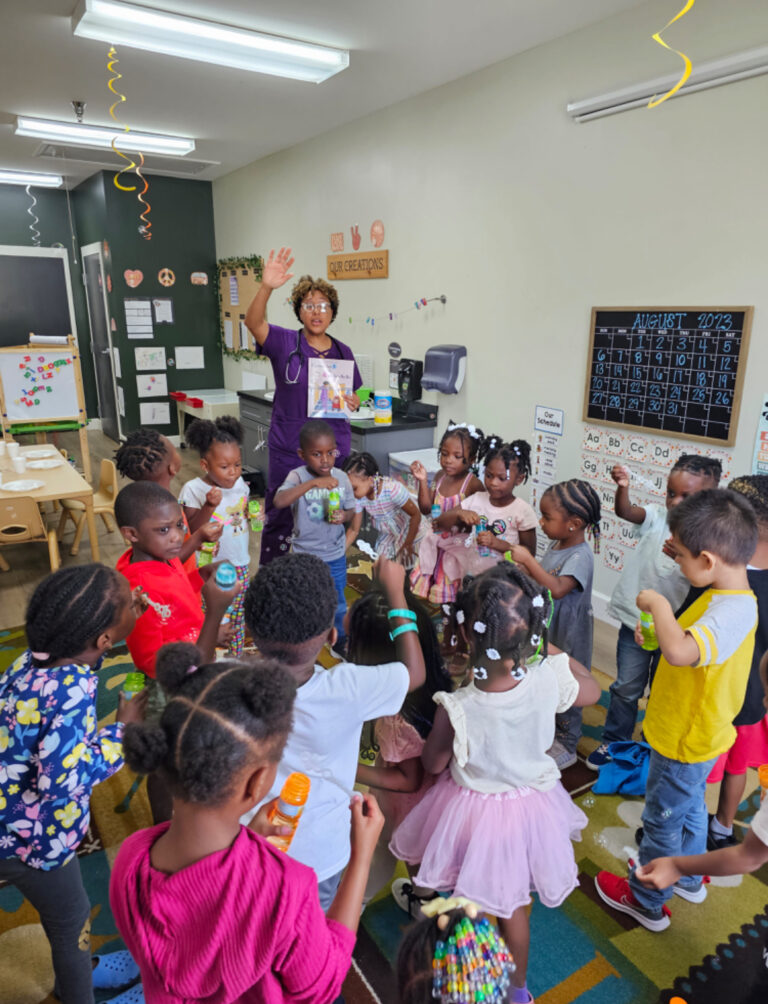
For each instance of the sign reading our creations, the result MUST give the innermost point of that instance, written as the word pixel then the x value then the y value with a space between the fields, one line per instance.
pixel 359 265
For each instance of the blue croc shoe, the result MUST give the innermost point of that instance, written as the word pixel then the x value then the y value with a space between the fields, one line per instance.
pixel 134 995
pixel 114 970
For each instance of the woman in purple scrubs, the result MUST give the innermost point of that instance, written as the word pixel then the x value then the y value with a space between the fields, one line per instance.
pixel 315 303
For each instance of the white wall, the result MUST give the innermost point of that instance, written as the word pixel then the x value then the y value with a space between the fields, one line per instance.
pixel 491 195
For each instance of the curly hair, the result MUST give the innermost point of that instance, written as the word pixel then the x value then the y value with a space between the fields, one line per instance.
pixel 695 463
pixel 201 433
pixel 219 719
pixel 754 488
pixel 72 607
pixel 717 520
pixel 470 439
pixel 580 500
pixel 517 452
pixel 513 609
pixel 141 454
pixel 370 644
pixel 289 602
pixel 306 285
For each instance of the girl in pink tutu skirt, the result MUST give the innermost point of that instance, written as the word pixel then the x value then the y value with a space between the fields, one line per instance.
pixel 499 824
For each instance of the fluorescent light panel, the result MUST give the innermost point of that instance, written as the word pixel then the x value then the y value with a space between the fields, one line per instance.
pixel 31 178
pixel 77 134
pixel 715 73
pixel 156 30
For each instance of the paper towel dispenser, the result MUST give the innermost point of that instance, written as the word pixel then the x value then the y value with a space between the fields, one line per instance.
pixel 445 367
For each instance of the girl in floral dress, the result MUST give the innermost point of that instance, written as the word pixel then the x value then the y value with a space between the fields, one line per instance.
pixel 52 754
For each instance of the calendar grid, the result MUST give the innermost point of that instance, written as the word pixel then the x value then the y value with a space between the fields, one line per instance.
pixel 673 371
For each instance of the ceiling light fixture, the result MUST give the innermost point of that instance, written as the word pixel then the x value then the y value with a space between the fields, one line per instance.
pixel 141 27
pixel 715 73
pixel 31 178
pixel 76 134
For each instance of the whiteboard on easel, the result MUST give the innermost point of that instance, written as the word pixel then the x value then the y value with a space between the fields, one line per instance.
pixel 39 385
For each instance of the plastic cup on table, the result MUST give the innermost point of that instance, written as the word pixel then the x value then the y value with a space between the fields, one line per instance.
pixel 13 449
pixel 19 464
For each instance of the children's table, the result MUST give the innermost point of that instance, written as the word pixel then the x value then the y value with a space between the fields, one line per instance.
pixel 208 404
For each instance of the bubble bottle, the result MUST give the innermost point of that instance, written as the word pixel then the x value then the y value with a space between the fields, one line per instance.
pixel 289 808
pixel 648 631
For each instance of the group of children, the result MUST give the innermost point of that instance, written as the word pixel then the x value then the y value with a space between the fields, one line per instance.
pixel 468 776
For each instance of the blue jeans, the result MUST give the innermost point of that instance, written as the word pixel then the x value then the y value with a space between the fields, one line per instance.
pixel 634 666
pixel 674 820
pixel 338 569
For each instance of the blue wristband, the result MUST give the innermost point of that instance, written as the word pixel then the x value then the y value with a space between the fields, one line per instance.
pixel 402 630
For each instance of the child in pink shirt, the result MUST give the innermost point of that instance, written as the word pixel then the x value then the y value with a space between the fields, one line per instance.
pixel 210 909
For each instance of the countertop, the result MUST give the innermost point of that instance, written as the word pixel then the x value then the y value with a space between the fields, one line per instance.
pixel 420 416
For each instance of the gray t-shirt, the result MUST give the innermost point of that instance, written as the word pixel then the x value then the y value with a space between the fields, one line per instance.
pixel 312 533
pixel 571 627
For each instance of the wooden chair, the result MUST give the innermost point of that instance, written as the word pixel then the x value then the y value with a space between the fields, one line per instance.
pixel 103 505
pixel 20 521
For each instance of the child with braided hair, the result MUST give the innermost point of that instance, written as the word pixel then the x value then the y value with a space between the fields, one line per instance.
pixel 211 909
pixel 499 822
pixel 53 754
pixel 568 511
pixel 146 455
pixel 452 956
pixel 499 520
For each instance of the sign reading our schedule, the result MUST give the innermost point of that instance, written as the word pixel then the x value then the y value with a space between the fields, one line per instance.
pixel 677 371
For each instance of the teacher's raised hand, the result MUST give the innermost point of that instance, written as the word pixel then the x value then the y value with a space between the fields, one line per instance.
pixel 275 273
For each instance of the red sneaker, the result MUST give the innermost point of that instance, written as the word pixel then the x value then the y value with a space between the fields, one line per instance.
pixel 616 892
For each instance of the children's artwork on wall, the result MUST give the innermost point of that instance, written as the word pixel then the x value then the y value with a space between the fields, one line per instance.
pixel 150 357
pixel 154 413
pixel 133 277
pixel 152 385
pixel 166 277
pixel 329 381
pixel 237 281
pixel 377 233
pixel 138 318
pixel 199 278
pixel 163 311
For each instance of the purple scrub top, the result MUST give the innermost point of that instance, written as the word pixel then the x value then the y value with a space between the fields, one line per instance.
pixel 289 411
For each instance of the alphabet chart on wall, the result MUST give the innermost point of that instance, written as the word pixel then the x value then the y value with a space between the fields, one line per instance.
pixel 669 370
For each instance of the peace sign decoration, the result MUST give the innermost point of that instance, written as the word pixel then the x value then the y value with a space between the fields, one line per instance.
pixel 166 277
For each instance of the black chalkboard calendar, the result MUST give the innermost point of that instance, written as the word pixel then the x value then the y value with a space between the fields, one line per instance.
pixel 676 371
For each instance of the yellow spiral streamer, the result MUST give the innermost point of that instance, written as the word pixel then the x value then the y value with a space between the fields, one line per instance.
pixel 112 61
pixel 145 228
pixel 654 102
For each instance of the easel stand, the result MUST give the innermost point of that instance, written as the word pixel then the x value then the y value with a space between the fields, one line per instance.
pixel 41 390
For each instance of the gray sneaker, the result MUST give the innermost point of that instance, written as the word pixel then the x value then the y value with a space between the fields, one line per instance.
pixel 563 757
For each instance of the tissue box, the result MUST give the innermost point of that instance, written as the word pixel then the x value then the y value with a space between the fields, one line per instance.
pixel 400 467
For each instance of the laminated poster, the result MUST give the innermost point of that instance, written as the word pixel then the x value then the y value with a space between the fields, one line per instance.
pixel 329 380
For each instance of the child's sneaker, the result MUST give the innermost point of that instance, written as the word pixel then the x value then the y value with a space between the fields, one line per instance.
pixel 697 895
pixel 563 757
pixel 616 892
pixel 114 970
pixel 599 757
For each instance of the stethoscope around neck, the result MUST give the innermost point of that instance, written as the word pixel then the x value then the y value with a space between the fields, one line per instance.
pixel 296 351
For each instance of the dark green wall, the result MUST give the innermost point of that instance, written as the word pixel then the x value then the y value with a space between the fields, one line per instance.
pixel 182 241
pixel 51 210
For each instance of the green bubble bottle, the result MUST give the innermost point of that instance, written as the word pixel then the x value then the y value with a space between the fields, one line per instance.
pixel 648 631
pixel 134 684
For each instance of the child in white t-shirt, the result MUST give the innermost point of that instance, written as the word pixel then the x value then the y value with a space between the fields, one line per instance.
pixel 289 608
pixel 221 495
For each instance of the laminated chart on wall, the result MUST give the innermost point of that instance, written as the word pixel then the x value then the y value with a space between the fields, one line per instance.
pixel 138 318
pixel 544 456
pixel 674 371
pixel 649 459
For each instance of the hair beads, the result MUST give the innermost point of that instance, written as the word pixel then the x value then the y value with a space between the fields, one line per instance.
pixel 472 965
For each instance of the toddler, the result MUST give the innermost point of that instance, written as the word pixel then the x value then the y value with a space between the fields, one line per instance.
pixel 210 909
pixel 499 823
pixel 53 755
pixel 500 520
pixel 392 510
pixel 317 530
pixel 457 455
pixel 568 510
pixel 222 495
pixel 697 691
pixel 650 566
pixel 290 607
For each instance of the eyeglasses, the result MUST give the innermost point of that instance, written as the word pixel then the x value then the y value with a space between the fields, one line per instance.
pixel 311 308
